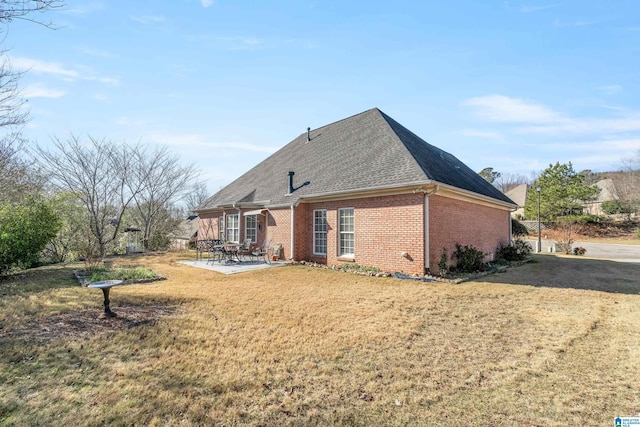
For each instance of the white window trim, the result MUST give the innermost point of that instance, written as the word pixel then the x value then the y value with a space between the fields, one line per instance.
pixel 247 228
pixel 221 227
pixel 340 254
pixel 325 232
pixel 227 228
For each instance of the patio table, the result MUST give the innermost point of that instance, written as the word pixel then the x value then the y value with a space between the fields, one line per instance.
pixel 229 251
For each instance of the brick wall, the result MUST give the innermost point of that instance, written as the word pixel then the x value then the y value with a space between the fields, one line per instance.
pixel 279 230
pixel 385 227
pixel 452 221
pixel 208 225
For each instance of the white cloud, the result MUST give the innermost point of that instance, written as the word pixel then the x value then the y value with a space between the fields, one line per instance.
pixel 560 24
pixel 529 9
pixel 206 3
pixel 610 89
pixel 500 108
pixel 100 97
pixel 533 118
pixel 69 74
pixel 85 9
pixel 38 90
pixel 99 53
pixel 148 19
pixel 481 134
pixel 196 140
pixel 587 125
pixel 38 66
pixel 126 121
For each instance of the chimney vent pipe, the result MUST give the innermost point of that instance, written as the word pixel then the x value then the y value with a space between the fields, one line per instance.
pixel 308 134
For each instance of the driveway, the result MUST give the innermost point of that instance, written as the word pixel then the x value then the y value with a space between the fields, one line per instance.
pixel 614 252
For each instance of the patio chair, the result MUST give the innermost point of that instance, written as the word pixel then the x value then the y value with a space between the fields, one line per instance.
pixel 262 252
pixel 215 251
pixel 246 250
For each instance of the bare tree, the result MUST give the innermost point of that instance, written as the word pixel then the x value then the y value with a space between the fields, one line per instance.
pixel 506 181
pixel 104 176
pixel 196 196
pixel 12 112
pixel 163 182
pixel 26 9
pixel 18 176
pixel 626 183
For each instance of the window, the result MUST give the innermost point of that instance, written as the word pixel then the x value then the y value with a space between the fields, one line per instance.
pixel 346 227
pixel 221 228
pixel 320 232
pixel 251 228
pixel 233 228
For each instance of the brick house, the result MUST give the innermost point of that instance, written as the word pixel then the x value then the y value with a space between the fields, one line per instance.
pixel 362 190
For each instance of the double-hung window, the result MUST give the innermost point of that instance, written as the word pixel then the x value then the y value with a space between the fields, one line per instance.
pixel 221 228
pixel 320 232
pixel 251 228
pixel 346 229
pixel 233 228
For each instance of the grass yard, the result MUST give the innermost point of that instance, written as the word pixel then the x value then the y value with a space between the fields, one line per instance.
pixel 552 343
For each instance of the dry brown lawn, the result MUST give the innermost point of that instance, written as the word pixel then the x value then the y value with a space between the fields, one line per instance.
pixel 552 343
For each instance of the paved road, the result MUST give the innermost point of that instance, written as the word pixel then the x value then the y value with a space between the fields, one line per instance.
pixel 626 253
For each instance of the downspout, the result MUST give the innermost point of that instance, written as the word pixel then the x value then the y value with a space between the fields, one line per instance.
pixel 426 227
pixel 293 226
pixel 240 239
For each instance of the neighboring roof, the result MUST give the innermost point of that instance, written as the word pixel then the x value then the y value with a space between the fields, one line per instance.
pixel 187 228
pixel 367 151
pixel 607 190
pixel 518 194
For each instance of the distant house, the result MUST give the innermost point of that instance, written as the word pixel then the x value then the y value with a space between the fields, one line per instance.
pixel 519 196
pixel 607 192
pixel 186 232
pixel 362 190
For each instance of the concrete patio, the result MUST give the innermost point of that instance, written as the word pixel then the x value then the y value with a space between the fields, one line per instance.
pixel 233 267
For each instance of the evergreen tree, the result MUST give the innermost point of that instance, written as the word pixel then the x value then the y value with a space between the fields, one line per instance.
pixel 562 192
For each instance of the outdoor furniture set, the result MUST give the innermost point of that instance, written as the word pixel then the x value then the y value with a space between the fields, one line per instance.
pixel 229 252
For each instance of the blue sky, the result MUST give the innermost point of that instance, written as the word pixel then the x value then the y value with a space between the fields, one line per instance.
pixel 513 85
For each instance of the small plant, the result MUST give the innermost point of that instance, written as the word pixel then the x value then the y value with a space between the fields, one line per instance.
pixel 638 232
pixel 579 251
pixel 443 267
pixel 357 267
pixel 469 258
pixel 518 250
pixel 121 273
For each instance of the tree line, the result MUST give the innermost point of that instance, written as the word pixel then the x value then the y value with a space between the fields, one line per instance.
pixel 73 198
pixel 564 192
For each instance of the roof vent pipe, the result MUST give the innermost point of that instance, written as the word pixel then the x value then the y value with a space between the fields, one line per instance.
pixel 291 173
pixel 291 187
pixel 308 134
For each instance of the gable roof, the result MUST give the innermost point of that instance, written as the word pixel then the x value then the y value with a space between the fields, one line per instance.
pixel 366 151
pixel 518 194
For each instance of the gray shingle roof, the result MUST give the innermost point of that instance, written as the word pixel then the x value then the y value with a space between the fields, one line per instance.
pixel 366 151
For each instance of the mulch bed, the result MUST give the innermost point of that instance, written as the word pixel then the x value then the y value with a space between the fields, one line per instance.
pixel 87 323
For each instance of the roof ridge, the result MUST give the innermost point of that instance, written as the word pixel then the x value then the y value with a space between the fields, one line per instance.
pixel 342 120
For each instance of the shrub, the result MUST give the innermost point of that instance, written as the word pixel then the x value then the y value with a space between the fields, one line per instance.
pixel 518 250
pixel 25 230
pixel 616 207
pixel 469 258
pixel 443 267
pixel 517 228
pixel 579 251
